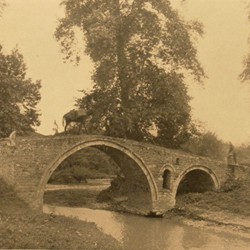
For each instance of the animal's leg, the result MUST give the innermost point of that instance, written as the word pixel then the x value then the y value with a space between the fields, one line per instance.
pixel 80 128
pixel 65 128
pixel 85 128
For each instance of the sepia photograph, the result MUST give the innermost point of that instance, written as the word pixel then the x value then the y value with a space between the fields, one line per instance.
pixel 125 124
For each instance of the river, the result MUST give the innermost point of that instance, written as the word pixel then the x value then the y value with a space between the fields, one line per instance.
pixel 138 232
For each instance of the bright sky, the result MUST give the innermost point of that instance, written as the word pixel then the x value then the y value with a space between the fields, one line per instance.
pixel 223 103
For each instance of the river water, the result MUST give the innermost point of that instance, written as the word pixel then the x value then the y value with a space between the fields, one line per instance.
pixel 138 232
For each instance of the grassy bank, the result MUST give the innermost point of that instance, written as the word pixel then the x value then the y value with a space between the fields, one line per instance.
pixel 71 197
pixel 235 199
pixel 22 228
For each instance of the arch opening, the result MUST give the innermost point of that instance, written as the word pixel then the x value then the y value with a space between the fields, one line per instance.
pixel 166 183
pixel 130 183
pixel 196 181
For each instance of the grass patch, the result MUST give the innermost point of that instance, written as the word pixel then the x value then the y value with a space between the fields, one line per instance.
pixel 234 200
pixel 23 228
pixel 71 197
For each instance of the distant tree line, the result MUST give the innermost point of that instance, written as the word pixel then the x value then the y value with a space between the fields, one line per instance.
pixel 245 74
pixel 85 164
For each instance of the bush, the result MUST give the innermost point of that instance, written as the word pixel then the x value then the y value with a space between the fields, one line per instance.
pixel 85 164
pixel 206 144
pixel 231 185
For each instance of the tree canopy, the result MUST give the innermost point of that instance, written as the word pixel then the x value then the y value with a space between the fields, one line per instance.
pixel 142 50
pixel 19 96
pixel 245 74
pixel 2 5
pixel 207 144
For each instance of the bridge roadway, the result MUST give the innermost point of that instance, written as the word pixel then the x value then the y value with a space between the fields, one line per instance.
pixel 153 174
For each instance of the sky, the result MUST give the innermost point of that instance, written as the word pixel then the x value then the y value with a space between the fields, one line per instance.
pixel 222 103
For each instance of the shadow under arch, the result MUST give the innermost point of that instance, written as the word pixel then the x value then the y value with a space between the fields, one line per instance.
pixel 99 144
pixel 209 173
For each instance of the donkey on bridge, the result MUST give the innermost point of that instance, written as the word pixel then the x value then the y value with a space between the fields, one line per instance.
pixel 79 116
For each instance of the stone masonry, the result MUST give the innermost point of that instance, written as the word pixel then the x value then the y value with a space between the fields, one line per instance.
pixel 29 167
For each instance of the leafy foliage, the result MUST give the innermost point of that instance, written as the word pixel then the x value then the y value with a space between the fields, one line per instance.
pixel 19 96
pixel 245 75
pixel 84 164
pixel 141 51
pixel 243 153
pixel 207 144
pixel 2 6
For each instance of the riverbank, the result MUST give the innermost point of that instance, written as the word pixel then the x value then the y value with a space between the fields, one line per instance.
pixel 23 228
pixel 228 209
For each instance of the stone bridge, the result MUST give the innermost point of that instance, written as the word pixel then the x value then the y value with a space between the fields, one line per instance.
pixel 153 175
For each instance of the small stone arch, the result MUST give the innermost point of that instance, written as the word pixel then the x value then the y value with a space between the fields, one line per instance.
pixel 166 175
pixel 98 143
pixel 204 169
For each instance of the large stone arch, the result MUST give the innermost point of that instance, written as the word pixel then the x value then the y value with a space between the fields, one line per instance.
pixel 98 143
pixel 205 169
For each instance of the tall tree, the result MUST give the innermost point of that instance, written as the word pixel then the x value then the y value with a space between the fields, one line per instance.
pixel 140 49
pixel 19 96
pixel 245 75
pixel 2 5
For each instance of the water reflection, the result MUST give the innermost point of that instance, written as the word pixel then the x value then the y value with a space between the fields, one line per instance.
pixel 137 232
pixel 105 220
